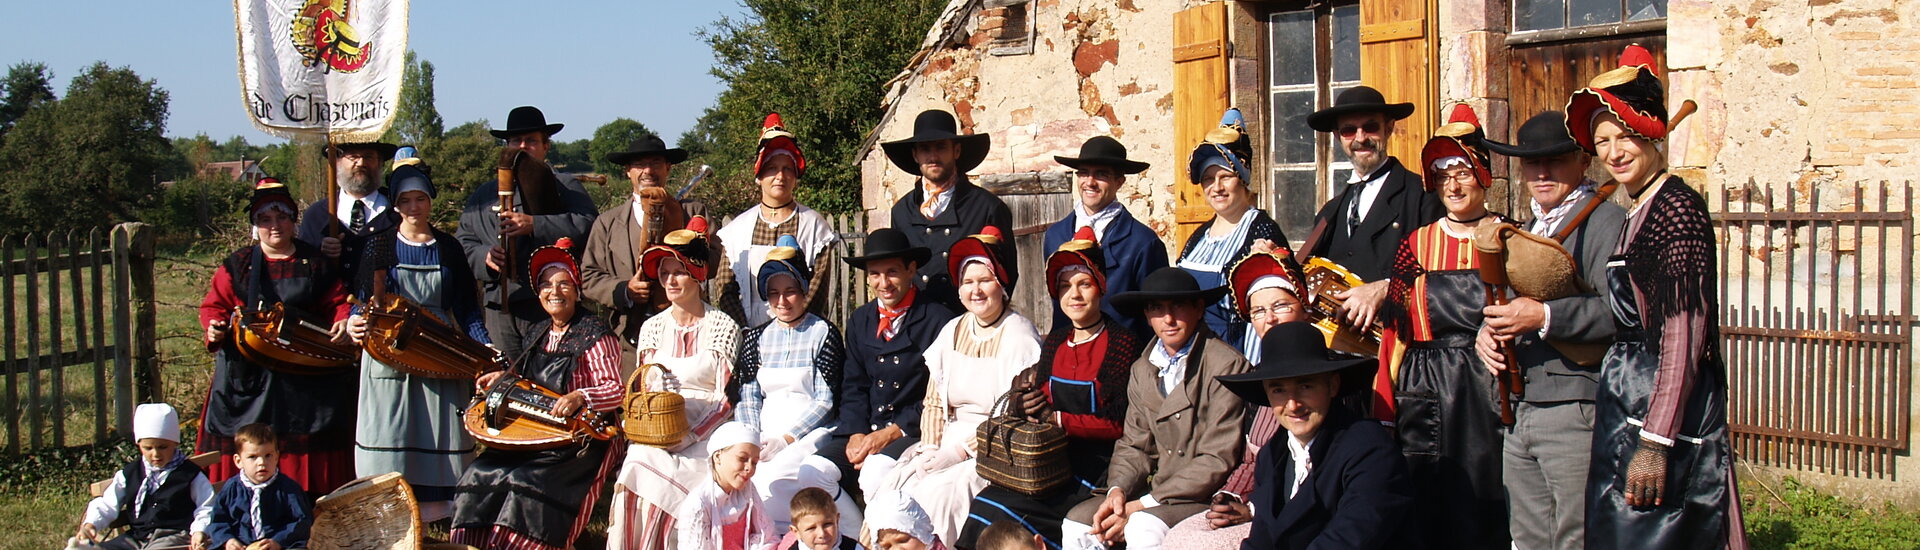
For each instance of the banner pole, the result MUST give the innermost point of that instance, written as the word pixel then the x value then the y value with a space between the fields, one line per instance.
pixel 333 188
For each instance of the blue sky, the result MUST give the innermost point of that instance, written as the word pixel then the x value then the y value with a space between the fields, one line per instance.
pixel 583 62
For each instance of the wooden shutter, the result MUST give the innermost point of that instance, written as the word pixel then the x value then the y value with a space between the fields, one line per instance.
pixel 1397 57
pixel 1199 97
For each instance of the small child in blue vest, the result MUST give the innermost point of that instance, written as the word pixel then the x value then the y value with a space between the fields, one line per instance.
pixel 165 500
pixel 259 509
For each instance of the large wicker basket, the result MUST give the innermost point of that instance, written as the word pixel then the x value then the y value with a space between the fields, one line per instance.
pixel 1019 454
pixel 373 512
pixel 657 418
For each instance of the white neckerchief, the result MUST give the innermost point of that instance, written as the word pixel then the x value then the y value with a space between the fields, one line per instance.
pixel 1302 458
pixel 1545 220
pixel 1370 185
pixel 375 203
pixel 1173 366
pixel 253 508
pixel 1097 220
pixel 154 477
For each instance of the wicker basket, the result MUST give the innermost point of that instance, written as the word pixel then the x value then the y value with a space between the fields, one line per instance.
pixel 657 418
pixel 1021 455
pixel 374 512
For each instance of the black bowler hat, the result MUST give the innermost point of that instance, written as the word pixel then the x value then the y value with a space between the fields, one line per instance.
pixel 1544 135
pixel 647 145
pixel 526 118
pixel 1295 349
pixel 1358 99
pixel 1166 283
pixel 886 243
pixel 381 149
pixel 937 125
pixel 1103 151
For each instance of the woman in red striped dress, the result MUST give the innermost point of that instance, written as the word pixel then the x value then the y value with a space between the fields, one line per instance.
pixel 534 500
pixel 1449 428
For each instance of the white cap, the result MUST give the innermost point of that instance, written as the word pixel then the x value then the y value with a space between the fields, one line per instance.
pixel 897 511
pixel 1271 281
pixel 730 434
pixel 156 421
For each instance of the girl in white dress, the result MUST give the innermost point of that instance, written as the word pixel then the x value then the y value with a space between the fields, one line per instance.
pixel 696 344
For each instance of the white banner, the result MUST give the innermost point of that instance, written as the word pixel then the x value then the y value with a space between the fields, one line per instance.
pixel 322 67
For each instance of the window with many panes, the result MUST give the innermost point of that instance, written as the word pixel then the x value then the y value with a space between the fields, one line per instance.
pixel 1542 15
pixel 1313 54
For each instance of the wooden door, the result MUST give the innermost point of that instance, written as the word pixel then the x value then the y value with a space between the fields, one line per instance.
pixel 1199 97
pixel 1398 57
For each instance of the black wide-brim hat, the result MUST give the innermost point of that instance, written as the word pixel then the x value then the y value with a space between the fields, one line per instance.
pixel 1103 151
pixel 938 125
pixel 382 149
pixel 1358 99
pixel 647 145
pixel 526 118
pixel 1166 283
pixel 1543 136
pixel 1295 349
pixel 887 243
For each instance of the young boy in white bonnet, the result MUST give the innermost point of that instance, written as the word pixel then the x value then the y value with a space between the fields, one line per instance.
pixel 896 522
pixel 165 499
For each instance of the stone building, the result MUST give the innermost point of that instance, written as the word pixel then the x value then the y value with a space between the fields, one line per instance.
pixel 1805 96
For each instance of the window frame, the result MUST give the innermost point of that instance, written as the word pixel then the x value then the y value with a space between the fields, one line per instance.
pixel 1328 164
pixel 1567 32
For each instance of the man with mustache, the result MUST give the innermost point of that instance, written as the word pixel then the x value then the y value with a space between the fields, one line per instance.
pixel 1361 228
pixel 362 208
pixel 607 270
pixel 944 206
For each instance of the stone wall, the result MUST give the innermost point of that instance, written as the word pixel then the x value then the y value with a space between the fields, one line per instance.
pixel 1096 67
pixel 1796 91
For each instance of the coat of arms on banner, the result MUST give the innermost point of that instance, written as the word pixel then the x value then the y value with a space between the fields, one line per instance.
pixel 322 68
pixel 323 33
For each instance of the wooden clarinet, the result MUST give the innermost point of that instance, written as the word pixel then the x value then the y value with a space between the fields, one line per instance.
pixel 509 160
pixel 1511 384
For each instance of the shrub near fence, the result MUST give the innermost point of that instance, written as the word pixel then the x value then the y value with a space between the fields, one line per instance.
pixel 76 335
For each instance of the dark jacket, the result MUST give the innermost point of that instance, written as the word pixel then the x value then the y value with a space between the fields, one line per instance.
pixel 1355 495
pixel 314 225
pixel 1131 251
pixel 885 381
pixel 1401 207
pixel 286 515
pixel 480 232
pixel 971 209
pixel 1586 318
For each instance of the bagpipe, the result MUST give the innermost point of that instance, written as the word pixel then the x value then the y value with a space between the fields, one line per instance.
pixel 286 341
pixel 517 414
pixel 407 337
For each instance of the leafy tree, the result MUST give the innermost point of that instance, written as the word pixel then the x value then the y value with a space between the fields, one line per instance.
pixel 103 141
pixel 27 84
pixel 821 65
pixel 614 136
pixel 415 119
pixel 461 160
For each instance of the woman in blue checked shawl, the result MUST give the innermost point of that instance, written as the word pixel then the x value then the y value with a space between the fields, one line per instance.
pixel 785 385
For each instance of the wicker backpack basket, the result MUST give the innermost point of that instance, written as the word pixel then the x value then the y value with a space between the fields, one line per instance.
pixel 656 418
pixel 1019 454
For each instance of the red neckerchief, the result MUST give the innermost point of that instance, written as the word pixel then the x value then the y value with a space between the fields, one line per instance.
pixel 890 316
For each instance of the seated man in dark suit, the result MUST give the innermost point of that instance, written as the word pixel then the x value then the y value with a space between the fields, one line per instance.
pixel 1327 479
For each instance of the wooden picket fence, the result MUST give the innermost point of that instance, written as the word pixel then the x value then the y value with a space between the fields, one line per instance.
pixel 77 336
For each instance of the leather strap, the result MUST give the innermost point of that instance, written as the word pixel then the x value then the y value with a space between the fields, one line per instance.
pixel 1599 196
